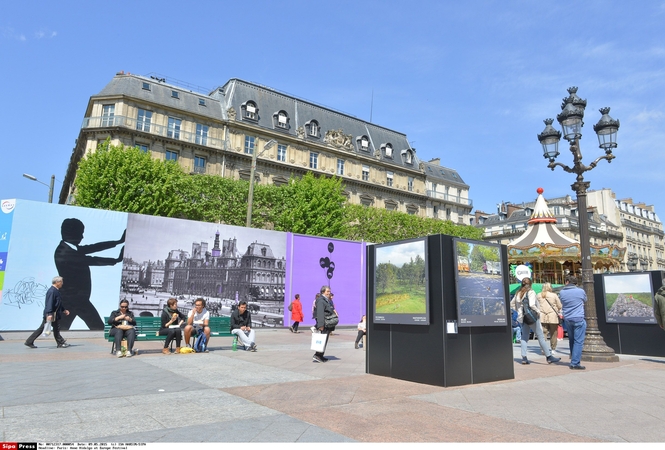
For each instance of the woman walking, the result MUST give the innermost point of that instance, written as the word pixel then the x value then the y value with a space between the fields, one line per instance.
pixel 527 296
pixel 550 310
pixel 296 314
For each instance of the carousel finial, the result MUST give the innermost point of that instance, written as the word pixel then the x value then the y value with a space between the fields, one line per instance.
pixel 540 190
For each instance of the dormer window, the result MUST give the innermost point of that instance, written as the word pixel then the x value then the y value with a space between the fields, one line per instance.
pixel 175 94
pixel 408 156
pixel 249 110
pixel 281 120
pixel 363 143
pixel 312 129
pixel 387 150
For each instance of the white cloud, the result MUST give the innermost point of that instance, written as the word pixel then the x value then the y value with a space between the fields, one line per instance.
pixel 45 34
pixel 10 33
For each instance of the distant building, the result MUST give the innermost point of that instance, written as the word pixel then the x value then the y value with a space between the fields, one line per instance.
pixel 635 227
pixel 217 133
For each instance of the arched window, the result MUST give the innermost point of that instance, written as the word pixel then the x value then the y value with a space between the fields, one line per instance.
pixel 363 143
pixel 250 111
pixel 312 129
pixel 281 120
pixel 387 150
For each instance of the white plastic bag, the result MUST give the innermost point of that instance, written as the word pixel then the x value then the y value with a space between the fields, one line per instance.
pixel 319 341
pixel 47 329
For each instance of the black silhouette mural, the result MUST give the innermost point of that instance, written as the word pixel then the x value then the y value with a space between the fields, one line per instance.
pixel 73 264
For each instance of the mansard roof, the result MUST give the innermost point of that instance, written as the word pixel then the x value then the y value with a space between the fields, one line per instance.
pixel 255 249
pixel 349 129
pixel 161 93
pixel 439 174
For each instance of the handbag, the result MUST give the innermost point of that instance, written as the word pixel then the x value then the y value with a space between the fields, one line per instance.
pixel 124 326
pixel 331 321
pixel 319 341
pixel 529 314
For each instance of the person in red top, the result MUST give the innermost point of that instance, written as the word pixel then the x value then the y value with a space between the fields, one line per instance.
pixel 296 314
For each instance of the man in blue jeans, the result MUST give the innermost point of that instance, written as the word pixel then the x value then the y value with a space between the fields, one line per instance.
pixel 572 302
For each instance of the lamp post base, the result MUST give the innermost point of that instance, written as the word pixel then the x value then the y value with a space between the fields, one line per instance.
pixel 595 350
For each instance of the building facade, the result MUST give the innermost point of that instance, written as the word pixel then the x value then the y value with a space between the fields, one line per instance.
pixel 217 134
pixel 635 227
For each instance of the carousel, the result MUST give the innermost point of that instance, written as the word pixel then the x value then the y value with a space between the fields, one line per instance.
pixel 551 255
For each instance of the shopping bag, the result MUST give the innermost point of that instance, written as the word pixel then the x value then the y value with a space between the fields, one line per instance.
pixel 319 342
pixel 47 329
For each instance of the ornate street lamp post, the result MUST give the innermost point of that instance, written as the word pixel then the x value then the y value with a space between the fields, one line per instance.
pixel 570 118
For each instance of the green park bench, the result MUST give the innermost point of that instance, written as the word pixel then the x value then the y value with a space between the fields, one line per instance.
pixel 147 329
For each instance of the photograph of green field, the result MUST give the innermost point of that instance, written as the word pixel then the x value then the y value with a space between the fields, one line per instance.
pixel 629 298
pixel 400 279
pixel 404 300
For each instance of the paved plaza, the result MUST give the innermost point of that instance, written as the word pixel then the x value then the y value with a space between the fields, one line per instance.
pixel 84 394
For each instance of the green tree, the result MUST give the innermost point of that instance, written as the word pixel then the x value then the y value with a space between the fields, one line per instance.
pixel 379 225
pixel 121 178
pixel 463 249
pixel 311 205
pixel 210 198
pixel 386 277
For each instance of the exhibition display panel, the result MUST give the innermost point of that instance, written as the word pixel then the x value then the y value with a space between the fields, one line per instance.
pixel 442 349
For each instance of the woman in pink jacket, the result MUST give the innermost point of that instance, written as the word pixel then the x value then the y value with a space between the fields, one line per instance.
pixel 296 314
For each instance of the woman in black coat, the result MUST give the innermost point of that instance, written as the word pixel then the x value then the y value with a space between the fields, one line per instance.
pixel 172 321
pixel 124 319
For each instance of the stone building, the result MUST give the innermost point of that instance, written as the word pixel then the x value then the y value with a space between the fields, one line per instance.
pixel 256 275
pixel 635 227
pixel 217 134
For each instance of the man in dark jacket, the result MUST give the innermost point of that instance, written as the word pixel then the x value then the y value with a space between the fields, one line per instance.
pixel 241 326
pixel 53 311
pixel 659 307
pixel 323 308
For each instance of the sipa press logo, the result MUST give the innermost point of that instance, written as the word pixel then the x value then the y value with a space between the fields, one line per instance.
pixel 8 206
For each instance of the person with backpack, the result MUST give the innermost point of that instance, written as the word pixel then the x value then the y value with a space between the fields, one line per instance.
pixel 528 315
pixel 296 313
pixel 198 322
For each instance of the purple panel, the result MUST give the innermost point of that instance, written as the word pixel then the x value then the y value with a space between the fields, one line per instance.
pixel 343 270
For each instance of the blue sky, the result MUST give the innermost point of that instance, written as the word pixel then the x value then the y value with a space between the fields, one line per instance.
pixel 469 82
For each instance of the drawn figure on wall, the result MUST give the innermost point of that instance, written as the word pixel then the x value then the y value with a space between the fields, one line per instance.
pixel 73 264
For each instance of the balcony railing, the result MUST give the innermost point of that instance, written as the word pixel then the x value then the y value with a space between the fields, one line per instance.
pixel 151 128
pixel 450 198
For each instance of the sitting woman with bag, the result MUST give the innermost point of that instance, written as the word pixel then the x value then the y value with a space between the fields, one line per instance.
pixel 122 327
pixel 528 315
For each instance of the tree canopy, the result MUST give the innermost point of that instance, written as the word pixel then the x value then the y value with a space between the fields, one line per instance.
pixel 122 178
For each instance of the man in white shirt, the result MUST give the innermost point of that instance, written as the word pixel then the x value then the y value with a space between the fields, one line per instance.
pixel 198 318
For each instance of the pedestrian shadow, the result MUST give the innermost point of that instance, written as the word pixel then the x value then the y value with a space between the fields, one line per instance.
pixel 659 361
